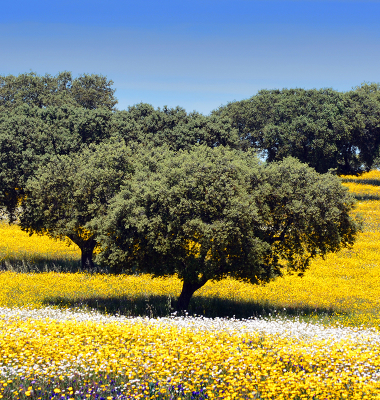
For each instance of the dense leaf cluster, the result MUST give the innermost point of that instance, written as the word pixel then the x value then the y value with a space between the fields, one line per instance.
pixel 71 190
pixel 174 127
pixel 324 128
pixel 87 91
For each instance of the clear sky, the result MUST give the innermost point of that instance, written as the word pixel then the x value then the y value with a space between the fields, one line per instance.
pixel 195 54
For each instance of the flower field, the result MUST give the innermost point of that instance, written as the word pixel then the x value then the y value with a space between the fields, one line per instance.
pixel 365 186
pixel 363 191
pixel 318 336
pixel 369 178
pixel 18 248
pixel 61 354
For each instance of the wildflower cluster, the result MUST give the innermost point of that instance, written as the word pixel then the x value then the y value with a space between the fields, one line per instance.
pixel 370 178
pixel 363 191
pixel 76 354
pixel 18 247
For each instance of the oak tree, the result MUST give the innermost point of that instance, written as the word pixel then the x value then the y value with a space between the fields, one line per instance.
pixel 71 190
pixel 31 136
pixel 209 213
pixel 324 128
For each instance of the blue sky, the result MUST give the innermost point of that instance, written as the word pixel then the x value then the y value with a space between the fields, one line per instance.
pixel 195 54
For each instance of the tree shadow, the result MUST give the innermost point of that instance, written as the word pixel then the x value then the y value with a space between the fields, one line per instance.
pixel 156 305
pixel 43 265
pixel 366 196
pixel 153 306
pixel 373 182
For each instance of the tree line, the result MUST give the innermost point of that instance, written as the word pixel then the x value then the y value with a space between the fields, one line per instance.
pixel 324 128
pixel 168 192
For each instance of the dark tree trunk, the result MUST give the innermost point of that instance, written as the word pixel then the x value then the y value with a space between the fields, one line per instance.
pixel 188 290
pixel 87 249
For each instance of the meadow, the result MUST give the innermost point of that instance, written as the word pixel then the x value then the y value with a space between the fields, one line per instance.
pixel 365 186
pixel 79 335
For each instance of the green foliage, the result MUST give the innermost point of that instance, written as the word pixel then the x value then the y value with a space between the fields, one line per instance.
pixel 191 197
pixel 31 136
pixel 306 213
pixel 173 127
pixel 69 191
pixel 45 116
pixel 364 112
pixel 211 213
pixel 87 91
pixel 324 128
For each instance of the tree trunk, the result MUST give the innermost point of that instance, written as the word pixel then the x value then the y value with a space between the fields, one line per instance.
pixel 188 290
pixel 87 249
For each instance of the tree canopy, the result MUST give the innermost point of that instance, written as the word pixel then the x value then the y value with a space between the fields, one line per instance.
pixel 45 116
pixel 71 190
pixel 209 213
pixel 365 112
pixel 88 91
pixel 173 127
pixel 324 128
pixel 31 136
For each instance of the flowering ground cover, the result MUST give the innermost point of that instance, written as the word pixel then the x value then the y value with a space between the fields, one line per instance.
pixel 363 191
pixel 48 353
pixel 321 340
pixel 365 186
pixel 368 178
pixel 18 249
pixel 343 287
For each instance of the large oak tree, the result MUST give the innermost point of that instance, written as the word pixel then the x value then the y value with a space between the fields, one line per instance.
pixel 209 213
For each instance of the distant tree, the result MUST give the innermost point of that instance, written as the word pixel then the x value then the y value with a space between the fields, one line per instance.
pixel 209 213
pixel 69 191
pixel 88 91
pixel 30 136
pixel 364 112
pixel 174 127
pixel 324 128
